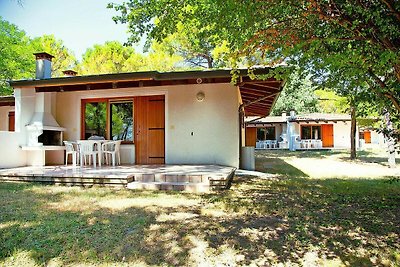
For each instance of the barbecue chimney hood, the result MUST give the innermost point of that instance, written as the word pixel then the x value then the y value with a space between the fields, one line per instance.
pixel 43 128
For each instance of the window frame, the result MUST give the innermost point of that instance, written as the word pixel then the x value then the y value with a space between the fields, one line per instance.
pixel 108 101
pixel 265 132
pixel 311 131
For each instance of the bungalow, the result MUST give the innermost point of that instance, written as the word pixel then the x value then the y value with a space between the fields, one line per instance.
pixel 188 117
pixel 371 137
pixel 307 131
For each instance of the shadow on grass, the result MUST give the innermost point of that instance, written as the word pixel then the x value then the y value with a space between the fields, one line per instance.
pixel 258 221
pixel 273 165
pixel 355 221
pixel 36 222
pixel 299 153
pixel 370 157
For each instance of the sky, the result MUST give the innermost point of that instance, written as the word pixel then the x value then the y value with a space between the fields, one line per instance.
pixel 79 23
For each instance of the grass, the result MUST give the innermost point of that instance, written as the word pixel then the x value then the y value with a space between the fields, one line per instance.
pixel 288 219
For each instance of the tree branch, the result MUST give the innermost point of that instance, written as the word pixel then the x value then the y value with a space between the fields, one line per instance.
pixel 382 84
pixel 392 9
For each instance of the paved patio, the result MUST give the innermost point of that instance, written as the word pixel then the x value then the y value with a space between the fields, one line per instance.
pixel 198 178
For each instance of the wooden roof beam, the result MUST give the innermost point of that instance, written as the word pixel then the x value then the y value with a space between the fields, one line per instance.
pixel 262 87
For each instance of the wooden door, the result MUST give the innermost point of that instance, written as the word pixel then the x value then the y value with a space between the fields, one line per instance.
pixel 11 121
pixel 327 135
pixel 367 137
pixel 149 117
pixel 251 136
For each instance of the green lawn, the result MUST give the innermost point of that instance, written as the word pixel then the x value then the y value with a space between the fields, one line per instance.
pixel 288 219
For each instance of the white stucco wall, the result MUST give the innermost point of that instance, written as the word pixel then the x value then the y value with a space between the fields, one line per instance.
pixel 377 138
pixel 10 142
pixel 11 154
pixel 4 117
pixel 341 134
pixel 214 122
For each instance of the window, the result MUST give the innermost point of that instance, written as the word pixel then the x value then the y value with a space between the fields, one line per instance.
pixel 111 119
pixel 121 116
pixel 267 133
pixel 311 132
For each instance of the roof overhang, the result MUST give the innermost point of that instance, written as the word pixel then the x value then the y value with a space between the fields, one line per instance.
pixel 119 79
pixel 258 96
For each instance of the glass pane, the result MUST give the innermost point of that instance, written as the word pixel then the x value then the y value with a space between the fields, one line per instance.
pixel 260 134
pixel 121 121
pixel 305 132
pixel 316 132
pixel 270 134
pixel 95 119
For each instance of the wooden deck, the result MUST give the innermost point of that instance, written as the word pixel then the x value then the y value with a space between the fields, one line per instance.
pixel 194 178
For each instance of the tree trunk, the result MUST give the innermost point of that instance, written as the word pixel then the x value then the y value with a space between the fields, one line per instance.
pixel 210 62
pixel 390 140
pixel 353 132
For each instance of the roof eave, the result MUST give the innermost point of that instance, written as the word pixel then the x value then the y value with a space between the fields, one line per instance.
pixel 132 76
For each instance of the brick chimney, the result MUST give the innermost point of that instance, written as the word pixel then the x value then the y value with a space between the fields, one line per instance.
pixel 43 65
pixel 69 73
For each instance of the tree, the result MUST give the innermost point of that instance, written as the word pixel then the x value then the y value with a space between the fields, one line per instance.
pixel 113 57
pixel 160 58
pixel 298 94
pixel 331 102
pixel 64 58
pixel 200 46
pixel 197 53
pixel 15 61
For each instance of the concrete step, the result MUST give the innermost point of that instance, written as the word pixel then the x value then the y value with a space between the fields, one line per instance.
pixel 171 178
pixel 176 186
pixel 68 180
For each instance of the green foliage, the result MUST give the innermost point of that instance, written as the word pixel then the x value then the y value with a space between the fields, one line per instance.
pixel 15 59
pixel 95 118
pixel 178 27
pixel 113 57
pixel 161 59
pixel 108 58
pixel 298 94
pixel 330 102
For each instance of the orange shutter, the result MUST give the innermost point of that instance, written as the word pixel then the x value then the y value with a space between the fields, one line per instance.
pixel 251 136
pixel 367 137
pixel 327 135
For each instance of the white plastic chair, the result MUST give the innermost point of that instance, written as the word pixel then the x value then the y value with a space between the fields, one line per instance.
pixel 273 144
pixel 259 144
pixel 87 151
pixel 112 149
pixel 267 143
pixel 70 149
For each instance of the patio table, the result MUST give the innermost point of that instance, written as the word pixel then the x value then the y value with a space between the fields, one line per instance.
pixel 98 144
